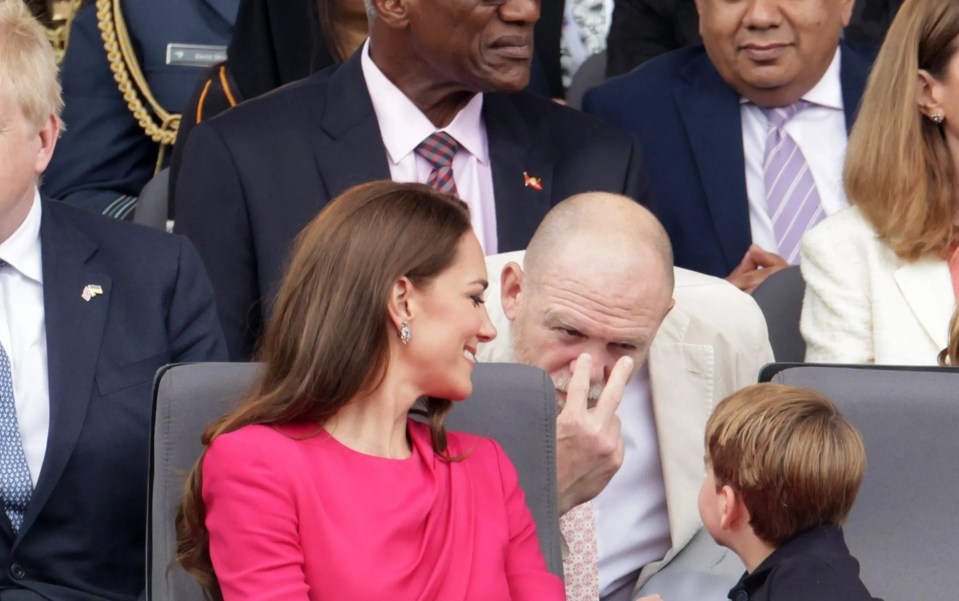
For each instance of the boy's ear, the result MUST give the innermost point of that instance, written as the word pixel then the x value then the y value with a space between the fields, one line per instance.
pixel 733 512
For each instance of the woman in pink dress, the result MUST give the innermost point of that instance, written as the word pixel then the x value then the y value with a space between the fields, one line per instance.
pixel 319 486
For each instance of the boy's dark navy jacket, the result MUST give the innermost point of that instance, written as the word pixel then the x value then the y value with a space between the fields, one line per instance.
pixel 814 565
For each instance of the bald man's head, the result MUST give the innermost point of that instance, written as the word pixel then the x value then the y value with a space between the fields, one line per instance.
pixel 612 230
pixel 597 278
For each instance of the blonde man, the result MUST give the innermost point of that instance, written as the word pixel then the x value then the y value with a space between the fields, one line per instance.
pixel 89 309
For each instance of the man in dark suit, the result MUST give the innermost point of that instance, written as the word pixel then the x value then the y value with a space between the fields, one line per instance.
pixel 90 307
pixel 704 115
pixel 253 177
pixel 105 157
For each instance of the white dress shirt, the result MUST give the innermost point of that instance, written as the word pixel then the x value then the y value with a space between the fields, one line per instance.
pixel 24 336
pixel 633 533
pixel 403 126
pixel 819 131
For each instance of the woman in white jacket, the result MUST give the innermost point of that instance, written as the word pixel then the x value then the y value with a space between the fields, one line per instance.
pixel 882 276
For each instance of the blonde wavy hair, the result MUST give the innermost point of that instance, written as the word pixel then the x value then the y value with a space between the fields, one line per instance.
pixel 898 168
pixel 28 66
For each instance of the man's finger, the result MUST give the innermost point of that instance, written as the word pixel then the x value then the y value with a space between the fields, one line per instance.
pixel 577 393
pixel 613 390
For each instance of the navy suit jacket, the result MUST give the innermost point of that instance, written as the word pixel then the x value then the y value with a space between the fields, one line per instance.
pixel 254 176
pixel 83 535
pixel 688 121
pixel 104 158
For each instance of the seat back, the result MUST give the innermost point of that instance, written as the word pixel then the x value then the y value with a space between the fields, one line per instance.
pixel 514 404
pixel 589 75
pixel 904 527
pixel 780 299
pixel 151 209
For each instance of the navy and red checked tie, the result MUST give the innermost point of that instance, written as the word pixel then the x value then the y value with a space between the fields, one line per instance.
pixel 438 149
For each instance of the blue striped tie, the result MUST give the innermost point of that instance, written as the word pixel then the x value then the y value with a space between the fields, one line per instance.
pixel 15 483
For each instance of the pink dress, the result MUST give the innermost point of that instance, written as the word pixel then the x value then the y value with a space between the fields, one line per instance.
pixel 294 514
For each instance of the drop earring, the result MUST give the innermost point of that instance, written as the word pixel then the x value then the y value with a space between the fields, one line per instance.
pixel 405 333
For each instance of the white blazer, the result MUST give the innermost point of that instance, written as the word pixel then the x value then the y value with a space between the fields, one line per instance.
pixel 864 304
pixel 712 343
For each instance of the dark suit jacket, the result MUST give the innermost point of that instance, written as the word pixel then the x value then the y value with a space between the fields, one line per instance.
pixel 104 154
pixel 253 177
pixel 83 535
pixel 644 29
pixel 871 19
pixel 688 121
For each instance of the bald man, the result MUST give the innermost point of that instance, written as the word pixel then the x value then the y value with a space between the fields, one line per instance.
pixel 595 294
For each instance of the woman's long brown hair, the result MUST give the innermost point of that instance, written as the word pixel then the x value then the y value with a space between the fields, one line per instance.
pixel 327 338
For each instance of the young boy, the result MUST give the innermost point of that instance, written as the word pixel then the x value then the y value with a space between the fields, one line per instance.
pixel 783 469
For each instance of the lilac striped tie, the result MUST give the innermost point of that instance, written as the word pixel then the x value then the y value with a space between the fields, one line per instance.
pixel 791 196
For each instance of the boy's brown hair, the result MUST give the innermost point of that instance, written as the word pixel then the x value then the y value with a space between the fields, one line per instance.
pixel 790 454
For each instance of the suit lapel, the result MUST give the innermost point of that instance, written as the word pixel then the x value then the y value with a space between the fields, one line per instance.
pixel 681 406
pixel 711 115
pixel 927 288
pixel 74 330
pixel 520 205
pixel 348 146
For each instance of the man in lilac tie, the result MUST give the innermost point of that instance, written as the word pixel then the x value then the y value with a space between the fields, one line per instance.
pixel 434 96
pixel 745 135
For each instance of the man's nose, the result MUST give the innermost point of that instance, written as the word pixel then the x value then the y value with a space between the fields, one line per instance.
pixel 762 14
pixel 602 364
pixel 523 11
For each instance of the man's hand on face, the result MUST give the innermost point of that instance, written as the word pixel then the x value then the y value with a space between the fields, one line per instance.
pixel 589 447
pixel 756 266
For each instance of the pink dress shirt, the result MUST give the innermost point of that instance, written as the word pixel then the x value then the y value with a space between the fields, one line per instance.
pixel 403 126
pixel 294 514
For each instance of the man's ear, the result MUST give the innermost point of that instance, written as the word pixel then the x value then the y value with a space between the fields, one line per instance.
pixel 672 303
pixel 394 13
pixel 401 306
pixel 928 93
pixel 511 289
pixel 47 136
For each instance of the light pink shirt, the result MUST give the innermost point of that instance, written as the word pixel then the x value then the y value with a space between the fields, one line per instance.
pixel 403 126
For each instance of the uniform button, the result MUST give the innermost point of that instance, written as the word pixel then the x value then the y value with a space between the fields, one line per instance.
pixel 17 571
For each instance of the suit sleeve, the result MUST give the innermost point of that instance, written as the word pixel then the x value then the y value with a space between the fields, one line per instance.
pixel 753 350
pixel 836 320
pixel 525 567
pixel 251 517
pixel 212 212
pixel 192 325
pixel 637 180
